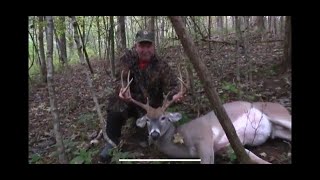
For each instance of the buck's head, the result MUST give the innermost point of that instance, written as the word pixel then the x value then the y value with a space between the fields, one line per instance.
pixel 157 119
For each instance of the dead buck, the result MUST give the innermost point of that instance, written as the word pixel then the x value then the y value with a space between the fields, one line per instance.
pixel 203 136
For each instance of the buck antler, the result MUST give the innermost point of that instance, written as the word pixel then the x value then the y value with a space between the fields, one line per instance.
pixel 183 86
pixel 166 102
pixel 124 89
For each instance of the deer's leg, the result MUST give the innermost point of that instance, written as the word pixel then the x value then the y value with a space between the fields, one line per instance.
pixel 206 152
pixel 255 158
pixel 282 122
pixel 281 132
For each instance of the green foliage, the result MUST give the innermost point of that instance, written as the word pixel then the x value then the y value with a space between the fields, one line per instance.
pixel 231 90
pixel 83 156
pixel 70 145
pixel 250 98
pixel 116 154
pixel 35 159
pixel 88 120
pixel 80 156
pixel 91 35
pixel 232 156
pixel 84 118
pixel 172 109
pixel 229 87
pixel 60 25
pixel 274 69
pixel 224 98
pixel 185 118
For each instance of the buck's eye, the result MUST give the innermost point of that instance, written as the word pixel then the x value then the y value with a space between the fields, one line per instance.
pixel 162 118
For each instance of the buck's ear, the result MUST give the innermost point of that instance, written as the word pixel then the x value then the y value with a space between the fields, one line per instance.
pixel 141 122
pixel 174 117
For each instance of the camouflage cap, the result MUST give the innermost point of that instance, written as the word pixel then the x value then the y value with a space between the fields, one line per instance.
pixel 143 35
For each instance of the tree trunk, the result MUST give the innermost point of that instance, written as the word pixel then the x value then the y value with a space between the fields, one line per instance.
pixel 58 45
pixel 281 27
pixel 162 29
pixel 99 38
pixel 151 26
pixel 269 23
pixel 274 29
pixel 191 80
pixel 83 26
pixel 34 43
pixel 105 56
pixel 103 123
pixel 43 66
pixel 70 38
pixel 226 30
pixel 287 45
pixel 77 39
pixel 35 49
pixel 145 22
pixel 233 22
pixel 84 46
pixel 238 42
pixel 219 24
pixel 53 104
pixel 62 37
pixel 197 28
pixel 157 32
pixel 246 22
pixel 212 95
pixel 151 23
pixel 259 24
pixel 117 37
pixel 85 40
pixel 209 33
pixel 242 43
pixel 172 36
pixel 111 38
pixel 132 30
pixel 122 33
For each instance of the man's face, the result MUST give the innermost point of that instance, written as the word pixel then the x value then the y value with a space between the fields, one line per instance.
pixel 145 50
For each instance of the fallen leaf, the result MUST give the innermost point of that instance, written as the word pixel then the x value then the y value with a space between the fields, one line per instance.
pixel 177 138
pixel 77 160
pixel 93 142
pixel 272 158
pixel 263 154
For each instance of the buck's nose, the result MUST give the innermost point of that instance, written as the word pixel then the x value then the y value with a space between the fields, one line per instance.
pixel 155 135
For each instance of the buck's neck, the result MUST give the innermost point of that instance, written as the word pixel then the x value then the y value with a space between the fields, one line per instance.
pixel 167 146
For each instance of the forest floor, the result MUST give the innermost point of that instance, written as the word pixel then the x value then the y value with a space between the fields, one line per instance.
pixel 79 120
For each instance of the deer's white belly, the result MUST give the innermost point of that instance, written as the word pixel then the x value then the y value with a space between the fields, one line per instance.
pixel 253 128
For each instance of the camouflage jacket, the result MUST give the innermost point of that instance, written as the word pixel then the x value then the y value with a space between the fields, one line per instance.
pixel 154 81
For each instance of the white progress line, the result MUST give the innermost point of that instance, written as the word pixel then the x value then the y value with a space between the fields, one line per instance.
pixel 159 159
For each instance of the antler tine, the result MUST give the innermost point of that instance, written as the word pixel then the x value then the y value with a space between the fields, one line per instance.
pixel 144 106
pixel 128 82
pixel 128 77
pixel 147 104
pixel 122 85
pixel 166 102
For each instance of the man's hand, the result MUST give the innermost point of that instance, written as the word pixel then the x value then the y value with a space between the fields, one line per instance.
pixel 124 94
pixel 177 97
